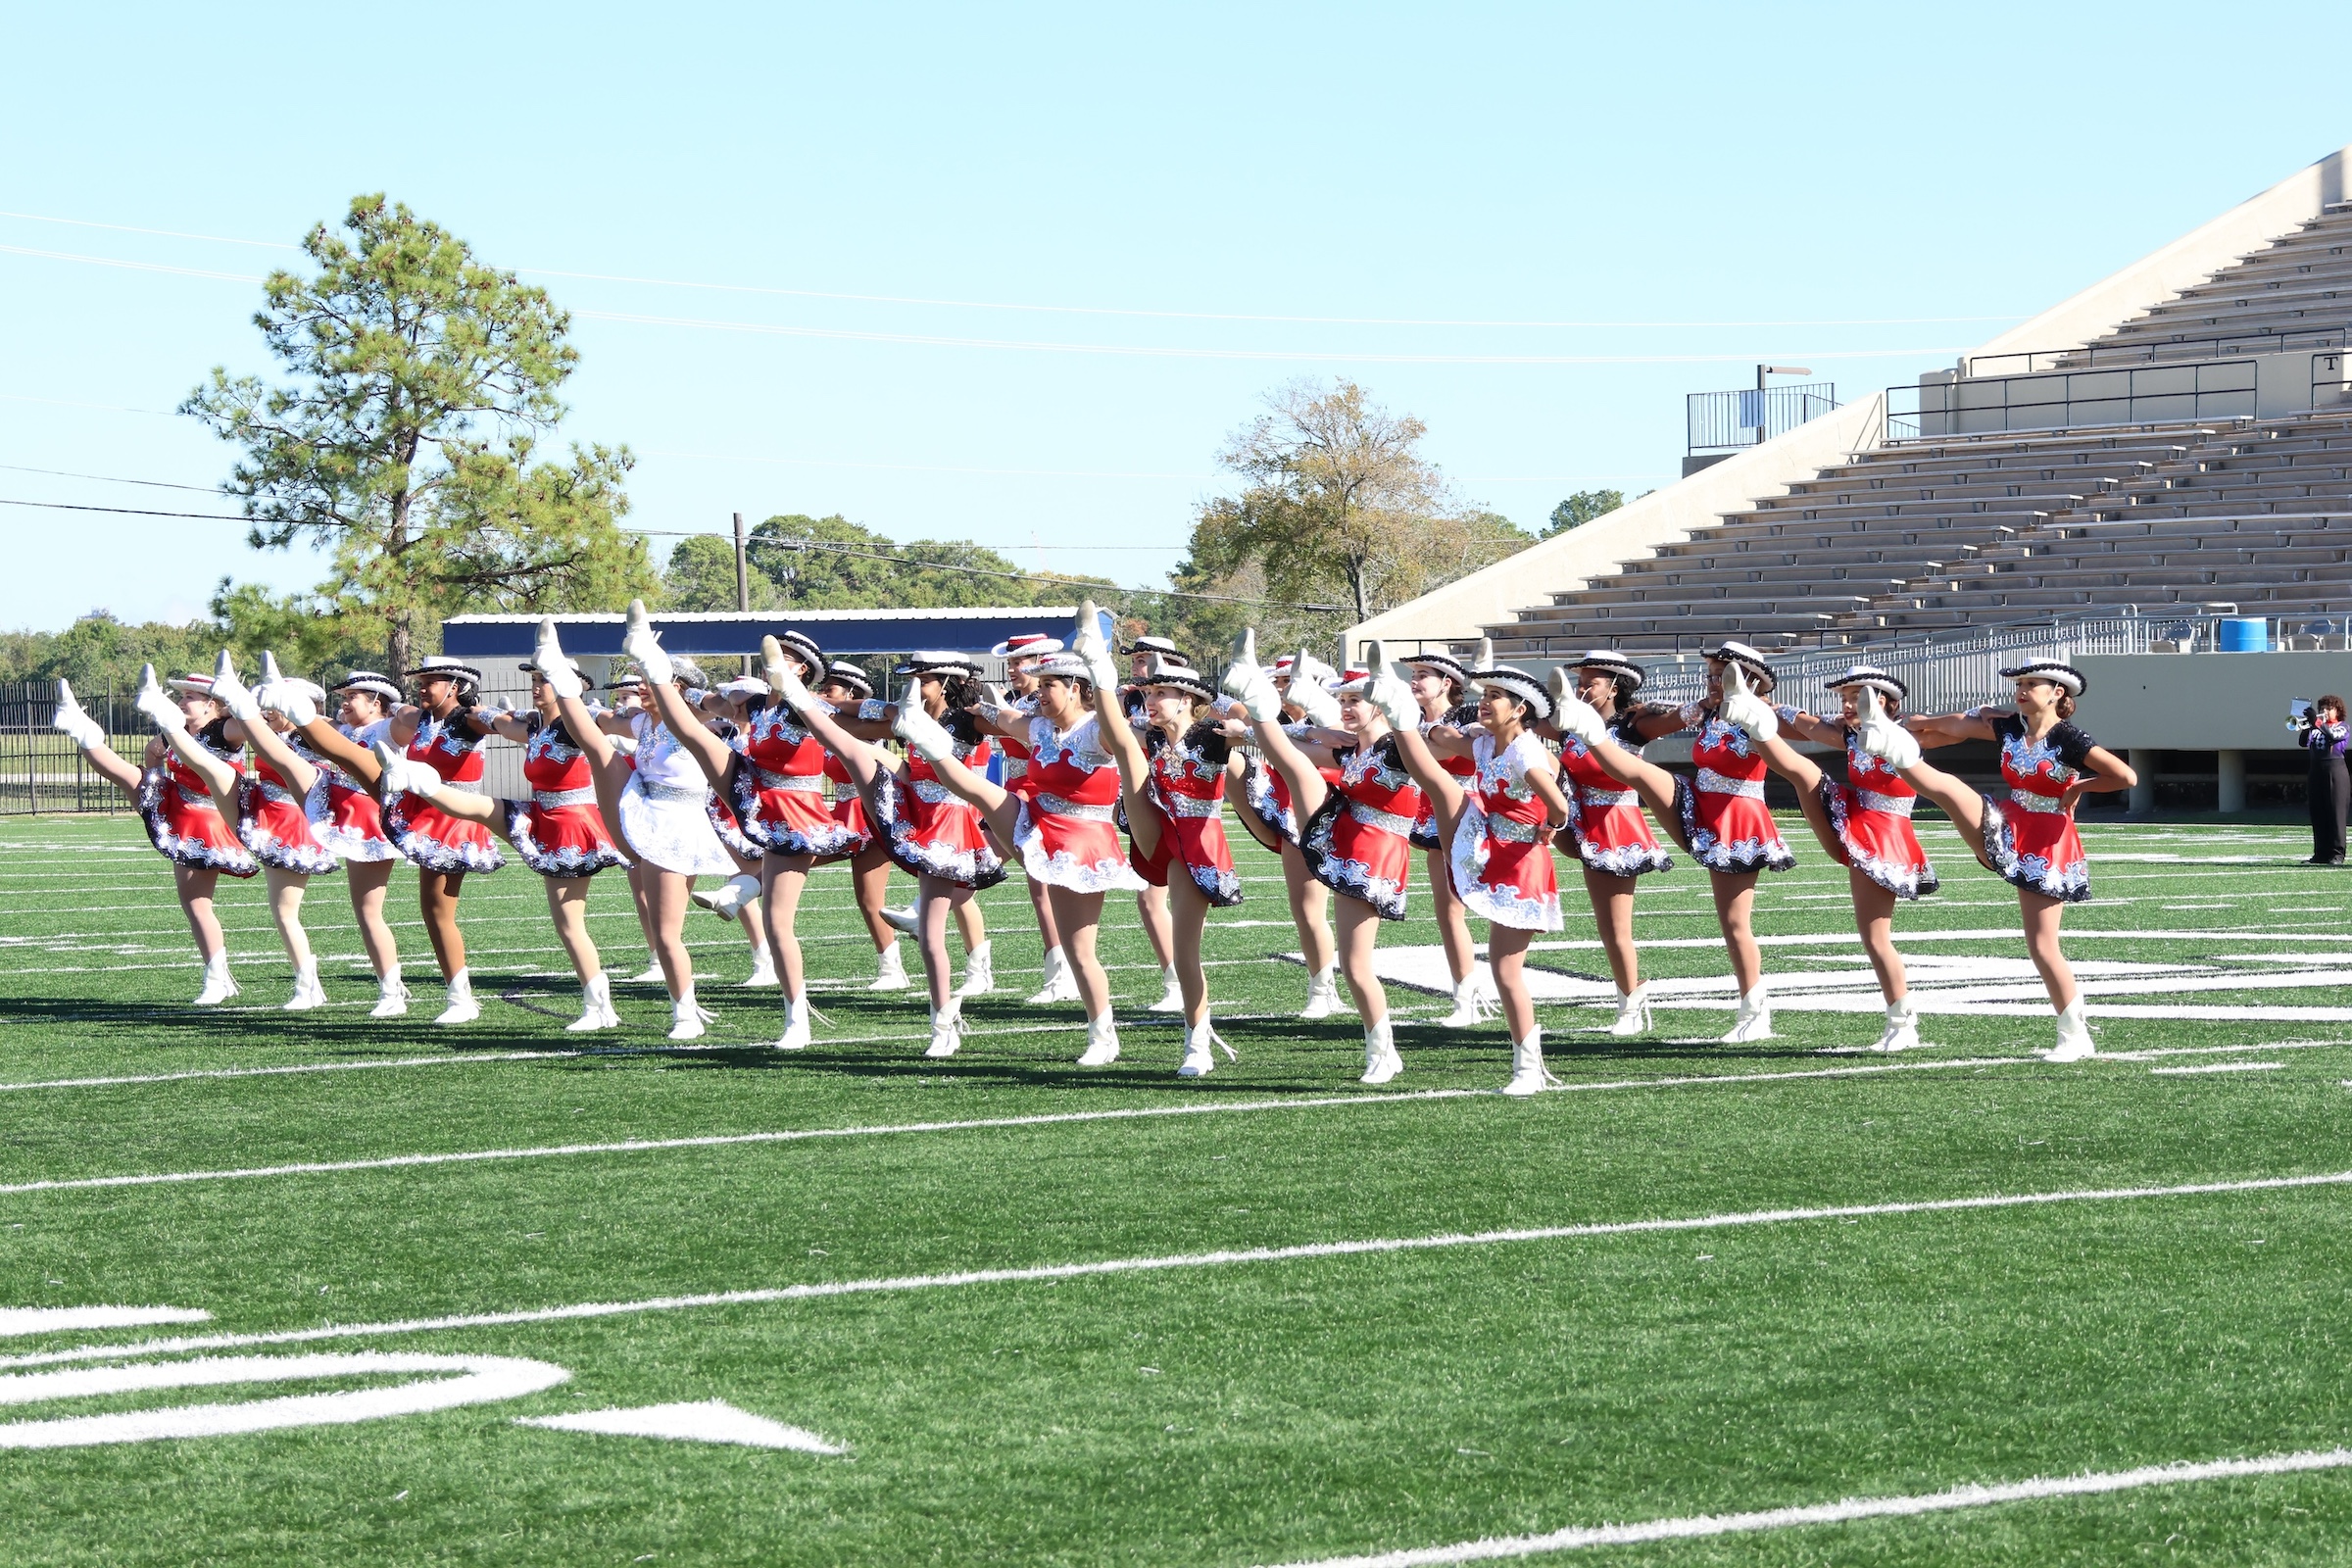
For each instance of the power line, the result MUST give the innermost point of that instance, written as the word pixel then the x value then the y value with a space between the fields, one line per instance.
pixel 109 478
pixel 127 512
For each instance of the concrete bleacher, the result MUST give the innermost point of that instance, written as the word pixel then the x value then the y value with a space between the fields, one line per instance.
pixel 2292 294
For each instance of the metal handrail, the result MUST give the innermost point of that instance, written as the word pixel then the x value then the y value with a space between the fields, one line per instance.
pixel 1733 422
pixel 1992 404
pixel 2094 356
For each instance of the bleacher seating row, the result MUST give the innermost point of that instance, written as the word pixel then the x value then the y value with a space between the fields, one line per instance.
pixel 2297 287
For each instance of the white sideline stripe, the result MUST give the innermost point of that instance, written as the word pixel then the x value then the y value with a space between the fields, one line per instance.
pixel 1181 1260
pixel 18 1321
pixel 2225 1066
pixel 1046 1119
pixel 1970 1495
pixel 272 1072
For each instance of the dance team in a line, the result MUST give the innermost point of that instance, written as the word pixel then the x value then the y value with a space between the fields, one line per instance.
pixel 1109 784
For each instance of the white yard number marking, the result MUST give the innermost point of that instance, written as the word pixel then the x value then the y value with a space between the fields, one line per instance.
pixel 481 1380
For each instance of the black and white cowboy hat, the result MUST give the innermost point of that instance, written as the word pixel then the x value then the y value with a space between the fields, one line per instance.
pixel 804 647
pixel 1747 659
pixel 844 674
pixel 1519 683
pixel 1446 665
pixel 626 678
pixel 190 685
pixel 1615 664
pixel 935 662
pixel 368 681
pixel 441 667
pixel 1027 644
pixel 1163 647
pixel 1872 676
pixel 744 686
pixel 684 672
pixel 2056 671
pixel 1069 667
pixel 1183 677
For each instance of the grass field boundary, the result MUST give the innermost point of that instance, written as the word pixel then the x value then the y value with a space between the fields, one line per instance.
pixel 1301 1251
pixel 1848 1510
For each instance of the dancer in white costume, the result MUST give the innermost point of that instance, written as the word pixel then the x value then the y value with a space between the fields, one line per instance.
pixel 1023 655
pixel 1499 823
pixel 1444 705
pixel 177 805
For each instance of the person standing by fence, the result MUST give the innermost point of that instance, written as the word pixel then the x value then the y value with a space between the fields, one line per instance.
pixel 2321 734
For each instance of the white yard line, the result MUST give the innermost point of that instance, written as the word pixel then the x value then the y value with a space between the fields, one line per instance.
pixel 2225 1066
pixel 1692 1526
pixel 1181 1260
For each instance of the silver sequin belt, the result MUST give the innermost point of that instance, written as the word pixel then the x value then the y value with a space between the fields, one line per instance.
pixel 1711 783
pixel 1055 806
pixel 277 792
pixel 805 783
pixel 932 791
pixel 1608 798
pixel 549 800
pixel 1373 816
pixel 1189 804
pixel 1510 830
pixel 1891 805
pixel 672 792
pixel 2042 805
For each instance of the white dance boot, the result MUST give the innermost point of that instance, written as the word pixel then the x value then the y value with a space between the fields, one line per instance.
pixel 1061 981
pixel 687 1019
pixel 1171 991
pixel 1322 995
pixel 979 972
pixel 797 1034
pixel 2073 1035
pixel 1200 1046
pixel 596 1006
pixel 890 970
pixel 1527 1076
pixel 947 1029
pixel 219 984
pixel 462 1008
pixel 649 976
pixel 307 992
pixel 763 970
pixel 1632 1012
pixel 904 921
pixel 731 895
pixel 1101 1041
pixel 391 997
pixel 1754 1019
pixel 1903 1027
pixel 1381 1061
pixel 1470 1004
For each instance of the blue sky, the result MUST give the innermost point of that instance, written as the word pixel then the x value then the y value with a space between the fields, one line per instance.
pixel 1661 171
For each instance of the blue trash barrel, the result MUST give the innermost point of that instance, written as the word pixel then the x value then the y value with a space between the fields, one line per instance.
pixel 2245 635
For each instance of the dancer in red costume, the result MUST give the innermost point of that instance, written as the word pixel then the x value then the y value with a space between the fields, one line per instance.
pixel 350 821
pixel 1443 702
pixel 2029 839
pixel 1023 655
pixel 1353 830
pixel 445 733
pixel 1264 810
pixel 1499 823
pixel 1865 822
pixel 176 806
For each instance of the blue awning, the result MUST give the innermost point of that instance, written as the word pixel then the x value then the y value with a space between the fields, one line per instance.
pixel 845 632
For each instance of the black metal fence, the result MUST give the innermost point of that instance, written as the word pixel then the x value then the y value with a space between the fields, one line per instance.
pixel 1729 421
pixel 40 770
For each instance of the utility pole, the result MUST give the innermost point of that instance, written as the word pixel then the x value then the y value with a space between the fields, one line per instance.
pixel 743 580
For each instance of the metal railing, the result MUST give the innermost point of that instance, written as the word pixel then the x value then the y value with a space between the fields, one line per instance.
pixel 1729 422
pixel 2171 394
pixel 2101 355
pixel 40 770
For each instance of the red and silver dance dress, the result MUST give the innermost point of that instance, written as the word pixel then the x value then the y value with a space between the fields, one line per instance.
pixel 848 807
pixel 559 831
pixel 1268 794
pixel 928 830
pixel 1187 785
pixel 1723 809
pixel 344 815
pixel 1503 868
pixel 432 839
pixel 719 806
pixel 1067 832
pixel 779 788
pixel 1871 813
pixel 1607 827
pixel 182 823
pixel 274 822
pixel 2029 839
pixel 1425 826
pixel 1358 842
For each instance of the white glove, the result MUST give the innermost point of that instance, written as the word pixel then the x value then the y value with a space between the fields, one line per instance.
pixel 285 697
pixel 1086 641
pixel 233 694
pixel 72 722
pixel 622 745
pixel 784 676
pixel 1883 737
pixel 643 644
pixel 1744 708
pixel 1389 692
pixel 1570 715
pixel 556 667
pixel 924 735
pixel 1248 684
pixel 402 776
pixel 158 706
pixel 1310 690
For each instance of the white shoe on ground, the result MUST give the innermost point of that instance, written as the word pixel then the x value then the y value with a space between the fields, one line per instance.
pixel 687 1021
pixel 1381 1061
pixel 307 992
pixel 1171 993
pixel 649 976
pixel 1201 1045
pixel 219 984
pixel 1754 1019
pixel 1632 1012
pixel 1101 1041
pixel 979 972
pixel 947 1029
pixel 596 1007
pixel 2074 1036
pixel 1903 1027
pixel 391 997
pixel 763 971
pixel 1322 996
pixel 1470 1005
pixel 1527 1073
pixel 890 970
pixel 1062 982
pixel 797 1034
pixel 462 1008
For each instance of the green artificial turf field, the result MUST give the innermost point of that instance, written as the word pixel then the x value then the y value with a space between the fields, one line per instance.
pixel 1747 1291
